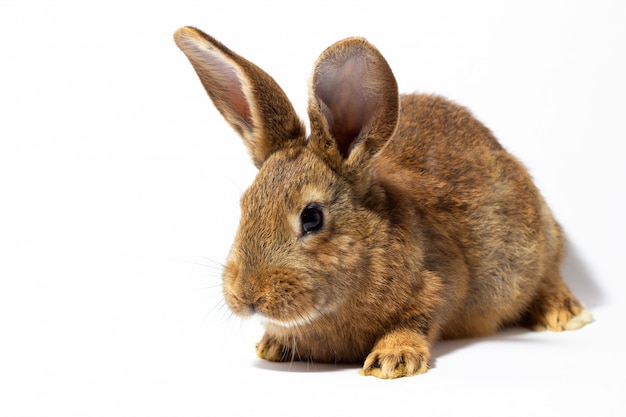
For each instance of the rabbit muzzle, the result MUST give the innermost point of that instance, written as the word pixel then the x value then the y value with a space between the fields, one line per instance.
pixel 280 296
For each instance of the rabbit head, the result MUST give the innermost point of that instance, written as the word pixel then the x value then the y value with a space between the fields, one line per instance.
pixel 304 229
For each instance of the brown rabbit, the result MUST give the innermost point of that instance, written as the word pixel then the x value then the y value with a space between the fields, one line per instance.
pixel 400 220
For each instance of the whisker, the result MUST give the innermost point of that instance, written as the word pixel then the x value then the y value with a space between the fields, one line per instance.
pixel 294 351
pixel 209 264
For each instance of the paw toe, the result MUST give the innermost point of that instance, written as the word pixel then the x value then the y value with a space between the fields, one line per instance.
pixel 578 321
pixel 395 365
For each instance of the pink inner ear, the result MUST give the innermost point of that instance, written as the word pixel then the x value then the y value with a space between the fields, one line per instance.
pixel 221 79
pixel 239 105
pixel 228 87
pixel 342 87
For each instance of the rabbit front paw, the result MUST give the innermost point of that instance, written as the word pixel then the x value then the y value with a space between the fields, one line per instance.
pixel 397 354
pixel 272 350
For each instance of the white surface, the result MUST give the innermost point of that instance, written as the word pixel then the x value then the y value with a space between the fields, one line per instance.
pixel 119 187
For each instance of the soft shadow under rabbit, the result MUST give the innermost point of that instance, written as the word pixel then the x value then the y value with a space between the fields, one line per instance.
pixel 400 220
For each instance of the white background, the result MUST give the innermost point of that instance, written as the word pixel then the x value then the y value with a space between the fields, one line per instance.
pixel 119 189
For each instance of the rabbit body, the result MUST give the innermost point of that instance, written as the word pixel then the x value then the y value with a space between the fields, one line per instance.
pixel 400 220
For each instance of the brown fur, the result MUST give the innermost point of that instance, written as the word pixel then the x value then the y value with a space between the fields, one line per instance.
pixel 430 228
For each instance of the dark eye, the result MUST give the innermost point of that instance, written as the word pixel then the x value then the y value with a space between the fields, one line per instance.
pixel 312 218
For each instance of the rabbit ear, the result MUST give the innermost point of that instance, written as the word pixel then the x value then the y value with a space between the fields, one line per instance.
pixel 353 99
pixel 248 98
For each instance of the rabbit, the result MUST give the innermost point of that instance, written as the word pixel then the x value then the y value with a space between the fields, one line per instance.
pixel 399 220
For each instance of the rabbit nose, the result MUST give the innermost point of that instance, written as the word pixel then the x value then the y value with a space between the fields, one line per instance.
pixel 241 306
pixel 251 308
pixel 244 300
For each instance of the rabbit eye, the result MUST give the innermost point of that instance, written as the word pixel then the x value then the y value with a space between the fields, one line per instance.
pixel 311 218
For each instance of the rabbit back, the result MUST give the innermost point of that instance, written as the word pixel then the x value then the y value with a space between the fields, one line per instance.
pixel 469 192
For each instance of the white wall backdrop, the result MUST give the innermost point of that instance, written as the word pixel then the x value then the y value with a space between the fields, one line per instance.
pixel 119 189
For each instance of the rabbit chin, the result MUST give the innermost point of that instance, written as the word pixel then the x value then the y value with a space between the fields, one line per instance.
pixel 300 321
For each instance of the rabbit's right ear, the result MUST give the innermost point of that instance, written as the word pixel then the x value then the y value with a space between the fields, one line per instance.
pixel 248 98
pixel 353 103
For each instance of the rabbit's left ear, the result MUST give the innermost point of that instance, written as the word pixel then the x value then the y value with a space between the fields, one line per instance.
pixel 248 98
pixel 353 102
